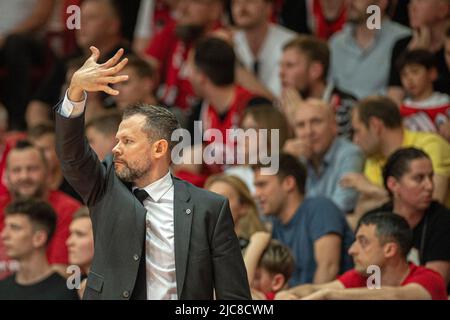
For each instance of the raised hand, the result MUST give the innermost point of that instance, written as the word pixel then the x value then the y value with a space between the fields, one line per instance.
pixel 94 77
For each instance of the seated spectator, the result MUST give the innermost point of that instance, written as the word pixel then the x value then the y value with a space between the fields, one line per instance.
pixel 423 109
pixel 304 70
pixel 269 266
pixel 263 116
pixel 320 18
pixel 327 157
pixel 101 134
pixel 359 55
pixel 153 16
pixel 168 50
pixel 43 137
pixel 428 19
pixel 378 131
pixel 243 207
pixel 22 47
pixel 80 244
pixel 258 42
pixel 26 176
pixel 29 227
pixel 140 86
pixel 212 75
pixel 314 229
pixel 100 27
pixel 408 177
pixel 383 239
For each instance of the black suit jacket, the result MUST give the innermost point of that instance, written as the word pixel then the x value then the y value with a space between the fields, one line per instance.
pixel 207 253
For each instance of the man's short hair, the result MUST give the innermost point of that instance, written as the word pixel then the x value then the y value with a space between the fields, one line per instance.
pixel 40 213
pixel 142 68
pixel 277 258
pixel 390 227
pixel 106 124
pixel 22 145
pixel 382 108
pixel 160 121
pixel 316 50
pixel 419 57
pixel 216 59
pixel 40 130
pixel 289 166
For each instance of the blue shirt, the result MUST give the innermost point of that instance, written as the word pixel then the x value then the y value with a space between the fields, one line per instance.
pixel 315 218
pixel 364 72
pixel 341 158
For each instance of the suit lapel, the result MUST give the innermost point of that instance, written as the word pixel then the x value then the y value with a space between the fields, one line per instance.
pixel 183 212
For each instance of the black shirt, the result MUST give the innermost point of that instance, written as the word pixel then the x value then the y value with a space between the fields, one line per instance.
pixel 52 288
pixel 431 237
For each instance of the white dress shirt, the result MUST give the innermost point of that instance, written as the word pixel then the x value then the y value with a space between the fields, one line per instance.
pixel 159 235
pixel 269 56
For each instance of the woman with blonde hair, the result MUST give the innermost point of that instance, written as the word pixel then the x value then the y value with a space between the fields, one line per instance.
pixel 243 207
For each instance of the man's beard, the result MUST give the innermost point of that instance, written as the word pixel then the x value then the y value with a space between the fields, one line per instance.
pixel 38 192
pixel 128 174
pixel 189 33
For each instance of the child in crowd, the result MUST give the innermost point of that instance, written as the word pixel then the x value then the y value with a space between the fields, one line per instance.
pixel 423 108
pixel 269 264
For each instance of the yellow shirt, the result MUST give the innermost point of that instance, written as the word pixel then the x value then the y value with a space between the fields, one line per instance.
pixel 436 147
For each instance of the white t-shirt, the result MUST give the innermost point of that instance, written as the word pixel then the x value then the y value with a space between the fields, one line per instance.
pixel 269 55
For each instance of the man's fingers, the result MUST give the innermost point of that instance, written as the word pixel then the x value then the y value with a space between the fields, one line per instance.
pixel 117 79
pixel 95 53
pixel 116 68
pixel 113 61
pixel 109 90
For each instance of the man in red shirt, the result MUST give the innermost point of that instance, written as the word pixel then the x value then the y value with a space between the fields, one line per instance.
pixel 26 176
pixel 383 241
pixel 169 48
pixel 211 71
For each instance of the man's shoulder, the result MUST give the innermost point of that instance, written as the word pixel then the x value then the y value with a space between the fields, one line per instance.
pixel 346 148
pixel 281 34
pixel 319 205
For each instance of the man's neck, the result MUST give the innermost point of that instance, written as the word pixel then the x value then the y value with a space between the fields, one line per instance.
pixel 364 36
pixel 395 273
pixel 392 140
pixel 411 215
pixel 317 89
pixel 256 37
pixel 290 208
pixel 156 174
pixel 33 269
pixel 221 98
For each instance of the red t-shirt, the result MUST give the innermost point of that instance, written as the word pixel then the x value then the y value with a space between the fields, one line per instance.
pixel 64 206
pixel 231 120
pixel 172 53
pixel 427 278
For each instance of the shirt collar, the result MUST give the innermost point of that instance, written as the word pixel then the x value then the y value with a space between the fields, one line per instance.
pixel 156 190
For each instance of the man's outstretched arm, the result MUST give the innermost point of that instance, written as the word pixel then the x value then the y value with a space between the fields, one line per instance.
pixel 79 163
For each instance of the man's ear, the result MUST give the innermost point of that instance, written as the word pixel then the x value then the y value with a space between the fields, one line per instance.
pixel 160 148
pixel 278 282
pixel 376 125
pixel 390 249
pixel 315 70
pixel 39 238
pixel 288 183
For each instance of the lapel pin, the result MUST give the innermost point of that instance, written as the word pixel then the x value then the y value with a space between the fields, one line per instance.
pixel 188 211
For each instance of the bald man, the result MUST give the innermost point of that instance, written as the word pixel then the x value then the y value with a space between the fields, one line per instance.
pixel 327 157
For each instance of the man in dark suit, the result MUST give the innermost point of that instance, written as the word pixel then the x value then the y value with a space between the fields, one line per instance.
pixel 156 237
